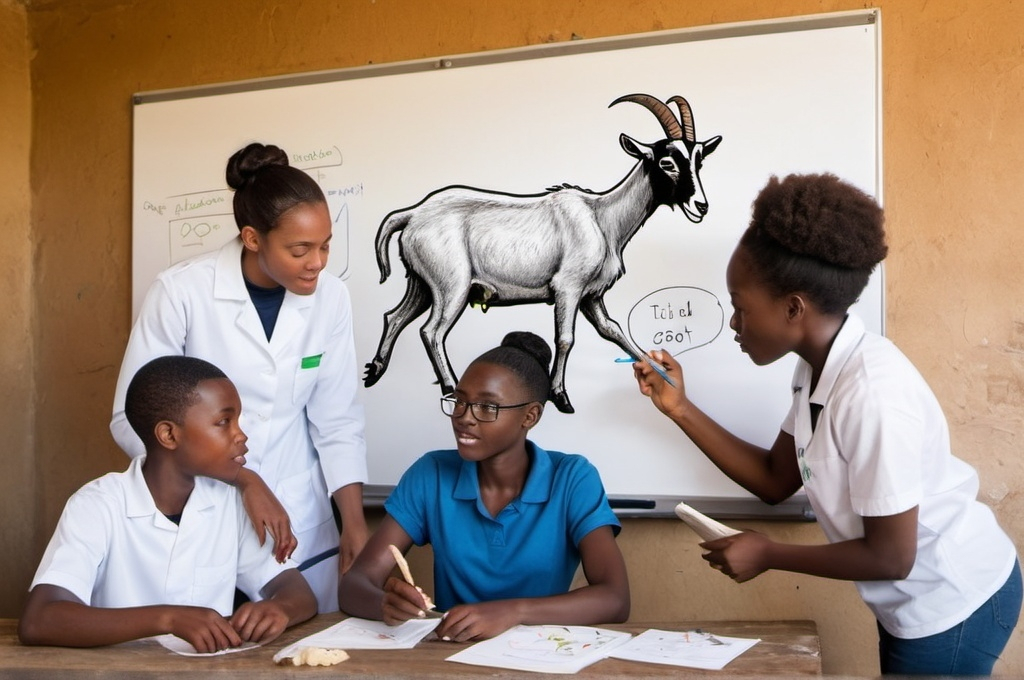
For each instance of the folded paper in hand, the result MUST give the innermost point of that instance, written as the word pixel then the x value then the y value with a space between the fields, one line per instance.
pixel 707 528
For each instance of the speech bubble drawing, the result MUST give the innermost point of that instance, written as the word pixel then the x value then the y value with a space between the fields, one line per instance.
pixel 676 319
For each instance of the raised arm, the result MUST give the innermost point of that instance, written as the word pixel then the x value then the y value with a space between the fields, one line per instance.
pixel 54 616
pixel 772 475
pixel 266 513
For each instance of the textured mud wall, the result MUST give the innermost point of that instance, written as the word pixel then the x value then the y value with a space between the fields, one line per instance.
pixel 953 90
pixel 17 458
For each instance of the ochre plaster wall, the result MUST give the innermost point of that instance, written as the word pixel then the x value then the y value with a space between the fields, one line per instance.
pixel 953 90
pixel 17 502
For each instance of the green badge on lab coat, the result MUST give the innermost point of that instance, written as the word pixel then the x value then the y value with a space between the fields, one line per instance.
pixel 311 362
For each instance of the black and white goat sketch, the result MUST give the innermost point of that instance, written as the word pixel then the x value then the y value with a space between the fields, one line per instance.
pixel 463 246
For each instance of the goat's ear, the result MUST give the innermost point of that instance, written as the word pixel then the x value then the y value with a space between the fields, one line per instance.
pixel 634 148
pixel 711 145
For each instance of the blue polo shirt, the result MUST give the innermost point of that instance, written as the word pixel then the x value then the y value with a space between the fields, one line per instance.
pixel 531 549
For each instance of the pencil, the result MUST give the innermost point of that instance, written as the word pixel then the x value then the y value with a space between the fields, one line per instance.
pixel 403 566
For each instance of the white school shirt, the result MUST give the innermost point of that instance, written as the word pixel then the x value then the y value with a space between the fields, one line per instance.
pixel 881 447
pixel 300 406
pixel 114 548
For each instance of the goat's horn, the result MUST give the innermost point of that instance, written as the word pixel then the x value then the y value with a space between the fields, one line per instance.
pixel 662 113
pixel 686 117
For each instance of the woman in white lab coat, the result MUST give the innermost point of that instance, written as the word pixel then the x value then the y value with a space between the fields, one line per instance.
pixel 260 310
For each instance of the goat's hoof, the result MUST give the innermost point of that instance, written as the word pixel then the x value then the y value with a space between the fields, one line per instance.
pixel 561 402
pixel 374 371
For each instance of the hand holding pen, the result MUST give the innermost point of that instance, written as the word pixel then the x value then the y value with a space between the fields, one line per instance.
pixel 656 367
pixel 400 597
pixel 660 377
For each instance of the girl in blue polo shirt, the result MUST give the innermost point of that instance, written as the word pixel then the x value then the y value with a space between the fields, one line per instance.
pixel 865 437
pixel 509 522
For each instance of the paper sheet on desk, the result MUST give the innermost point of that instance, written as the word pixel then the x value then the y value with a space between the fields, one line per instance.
pixel 693 649
pixel 354 633
pixel 543 649
pixel 183 647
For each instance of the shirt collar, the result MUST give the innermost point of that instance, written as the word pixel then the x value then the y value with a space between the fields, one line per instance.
pixel 537 488
pixel 229 284
pixel 538 482
pixel 139 501
pixel 846 340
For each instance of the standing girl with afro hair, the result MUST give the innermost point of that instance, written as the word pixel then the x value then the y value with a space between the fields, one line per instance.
pixel 865 437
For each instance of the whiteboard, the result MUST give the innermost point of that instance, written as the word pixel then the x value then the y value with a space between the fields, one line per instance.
pixel 797 95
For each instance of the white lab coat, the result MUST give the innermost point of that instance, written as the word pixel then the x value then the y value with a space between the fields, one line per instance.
pixel 304 421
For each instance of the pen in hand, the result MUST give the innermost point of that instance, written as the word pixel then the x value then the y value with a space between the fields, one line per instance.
pixel 403 566
pixel 658 368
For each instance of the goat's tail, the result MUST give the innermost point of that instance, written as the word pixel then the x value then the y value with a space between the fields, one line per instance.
pixel 396 221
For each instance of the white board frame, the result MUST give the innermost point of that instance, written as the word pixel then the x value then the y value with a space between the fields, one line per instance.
pixel 184 136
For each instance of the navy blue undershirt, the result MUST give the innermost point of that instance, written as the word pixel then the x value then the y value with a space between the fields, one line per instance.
pixel 267 302
pixel 815 412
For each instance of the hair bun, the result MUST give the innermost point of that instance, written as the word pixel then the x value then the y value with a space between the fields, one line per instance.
pixel 531 344
pixel 245 163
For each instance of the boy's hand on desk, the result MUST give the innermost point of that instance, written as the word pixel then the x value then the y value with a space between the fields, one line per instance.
pixel 203 628
pixel 479 621
pixel 401 602
pixel 740 557
pixel 259 621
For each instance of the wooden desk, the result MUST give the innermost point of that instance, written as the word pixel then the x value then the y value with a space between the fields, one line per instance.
pixel 787 648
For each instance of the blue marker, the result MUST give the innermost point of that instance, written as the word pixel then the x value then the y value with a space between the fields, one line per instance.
pixel 658 368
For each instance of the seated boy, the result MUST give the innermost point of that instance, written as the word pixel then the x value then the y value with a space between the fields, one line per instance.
pixel 161 547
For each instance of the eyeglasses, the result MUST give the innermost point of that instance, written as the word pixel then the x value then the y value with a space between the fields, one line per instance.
pixel 485 413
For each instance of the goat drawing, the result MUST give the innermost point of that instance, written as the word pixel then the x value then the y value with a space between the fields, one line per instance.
pixel 462 246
